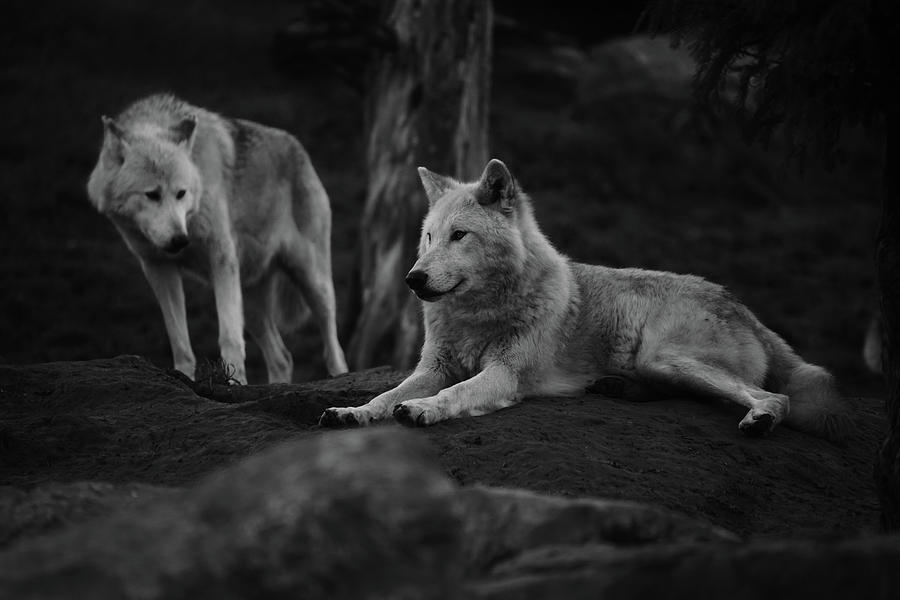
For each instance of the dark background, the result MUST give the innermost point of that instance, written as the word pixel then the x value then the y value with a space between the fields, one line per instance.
pixel 597 128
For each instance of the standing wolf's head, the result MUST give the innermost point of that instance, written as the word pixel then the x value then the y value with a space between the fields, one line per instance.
pixel 145 180
pixel 472 244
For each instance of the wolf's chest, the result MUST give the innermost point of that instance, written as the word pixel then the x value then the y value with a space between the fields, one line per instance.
pixel 469 355
pixel 470 349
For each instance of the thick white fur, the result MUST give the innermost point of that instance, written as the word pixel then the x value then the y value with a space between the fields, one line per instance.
pixel 256 216
pixel 516 318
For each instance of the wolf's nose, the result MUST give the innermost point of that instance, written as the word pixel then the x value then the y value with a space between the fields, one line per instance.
pixel 177 244
pixel 416 279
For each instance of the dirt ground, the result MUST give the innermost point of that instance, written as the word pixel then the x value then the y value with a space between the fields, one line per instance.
pixel 125 421
pixel 622 172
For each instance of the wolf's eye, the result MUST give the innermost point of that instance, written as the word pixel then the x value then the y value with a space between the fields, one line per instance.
pixel 458 235
pixel 179 194
pixel 428 237
pixel 153 194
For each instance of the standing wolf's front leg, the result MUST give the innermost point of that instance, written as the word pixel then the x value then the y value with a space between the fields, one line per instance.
pixel 492 389
pixel 165 280
pixel 424 382
pixel 226 281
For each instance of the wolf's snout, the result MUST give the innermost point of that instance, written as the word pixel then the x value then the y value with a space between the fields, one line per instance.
pixel 416 280
pixel 177 244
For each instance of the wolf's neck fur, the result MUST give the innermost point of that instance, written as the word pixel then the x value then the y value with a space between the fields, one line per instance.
pixel 546 275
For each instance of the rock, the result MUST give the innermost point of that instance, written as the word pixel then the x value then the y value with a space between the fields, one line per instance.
pixel 355 514
pixel 362 514
pixel 504 525
pixel 370 514
pixel 860 568
pixel 124 421
pixel 53 506
pixel 119 420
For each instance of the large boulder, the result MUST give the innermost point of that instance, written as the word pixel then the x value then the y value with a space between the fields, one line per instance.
pixel 370 514
pixel 124 421
pixel 125 483
pixel 349 515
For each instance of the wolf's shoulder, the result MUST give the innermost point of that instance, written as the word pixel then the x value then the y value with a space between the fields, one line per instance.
pixel 248 133
pixel 254 141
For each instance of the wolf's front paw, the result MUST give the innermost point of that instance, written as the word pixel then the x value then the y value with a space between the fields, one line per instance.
pixel 404 416
pixel 416 413
pixel 337 418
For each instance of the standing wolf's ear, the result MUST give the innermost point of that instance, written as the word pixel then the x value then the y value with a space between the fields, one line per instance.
pixel 435 185
pixel 497 187
pixel 184 132
pixel 115 141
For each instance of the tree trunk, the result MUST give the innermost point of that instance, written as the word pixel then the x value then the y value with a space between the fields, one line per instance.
pixel 887 464
pixel 427 106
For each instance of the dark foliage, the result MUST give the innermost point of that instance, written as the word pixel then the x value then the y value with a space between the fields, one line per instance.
pixel 802 69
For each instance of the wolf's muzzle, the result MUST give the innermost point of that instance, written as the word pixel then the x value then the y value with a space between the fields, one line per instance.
pixel 416 280
pixel 177 244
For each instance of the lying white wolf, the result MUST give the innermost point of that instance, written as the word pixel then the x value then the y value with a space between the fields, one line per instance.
pixel 507 316
pixel 232 202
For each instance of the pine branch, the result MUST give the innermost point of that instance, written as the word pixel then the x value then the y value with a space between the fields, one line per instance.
pixel 802 70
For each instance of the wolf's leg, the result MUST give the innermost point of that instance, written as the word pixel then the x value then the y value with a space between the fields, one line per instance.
pixel 226 282
pixel 424 382
pixel 165 280
pixel 310 268
pixel 673 371
pixel 261 326
pixel 490 390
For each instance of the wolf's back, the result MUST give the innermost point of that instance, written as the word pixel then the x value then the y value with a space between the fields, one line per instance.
pixel 264 155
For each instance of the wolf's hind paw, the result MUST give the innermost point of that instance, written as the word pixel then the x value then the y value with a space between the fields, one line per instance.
pixel 334 419
pixel 757 425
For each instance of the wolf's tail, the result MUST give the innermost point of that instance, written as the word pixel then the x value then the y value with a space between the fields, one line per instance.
pixel 290 308
pixel 815 404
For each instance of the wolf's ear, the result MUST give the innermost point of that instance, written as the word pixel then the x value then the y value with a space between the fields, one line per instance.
pixel 497 187
pixel 115 141
pixel 435 185
pixel 185 132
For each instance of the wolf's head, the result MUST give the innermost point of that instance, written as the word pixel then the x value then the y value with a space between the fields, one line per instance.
pixel 145 180
pixel 472 238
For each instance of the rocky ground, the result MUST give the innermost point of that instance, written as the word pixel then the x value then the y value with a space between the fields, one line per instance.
pixel 117 468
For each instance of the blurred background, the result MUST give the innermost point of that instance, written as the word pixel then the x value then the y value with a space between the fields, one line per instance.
pixel 594 119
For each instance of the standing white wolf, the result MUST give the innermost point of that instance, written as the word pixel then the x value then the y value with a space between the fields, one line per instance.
pixel 233 202
pixel 507 316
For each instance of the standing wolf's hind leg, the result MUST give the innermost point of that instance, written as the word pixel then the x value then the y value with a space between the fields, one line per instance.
pixel 309 268
pixel 260 324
